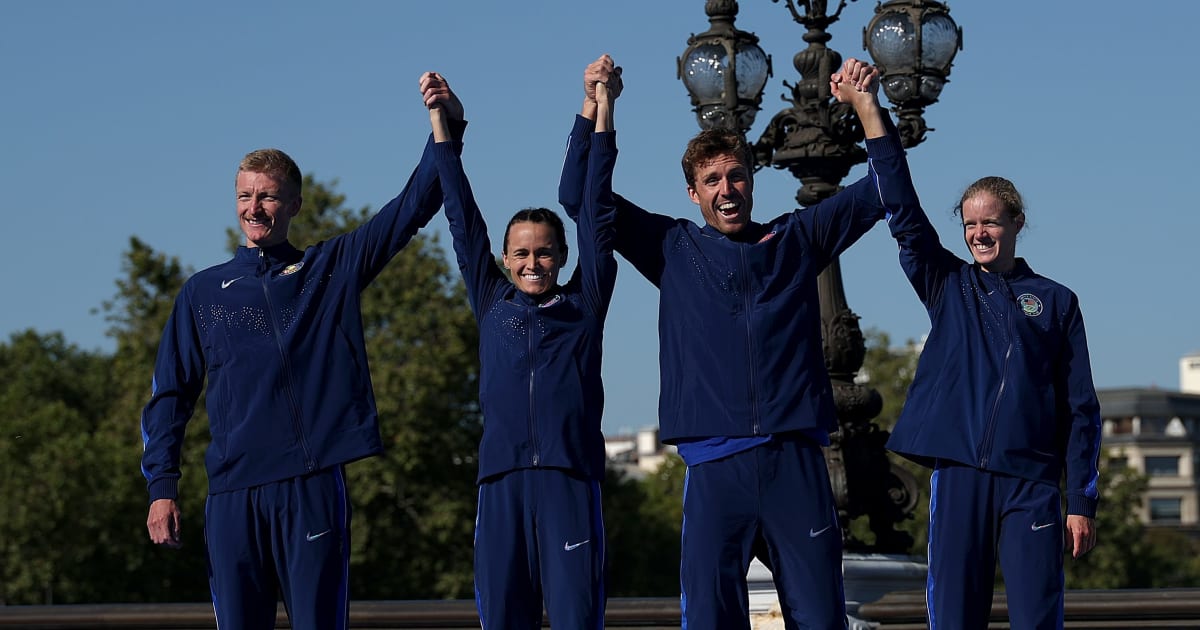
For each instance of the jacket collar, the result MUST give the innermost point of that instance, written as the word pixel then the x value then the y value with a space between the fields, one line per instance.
pixel 1021 269
pixel 751 234
pixel 283 253
pixel 546 299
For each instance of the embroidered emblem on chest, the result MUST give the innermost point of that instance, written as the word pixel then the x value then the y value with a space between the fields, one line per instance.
pixel 1031 304
pixel 291 269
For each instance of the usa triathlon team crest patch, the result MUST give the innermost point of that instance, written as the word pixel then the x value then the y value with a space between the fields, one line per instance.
pixel 1031 305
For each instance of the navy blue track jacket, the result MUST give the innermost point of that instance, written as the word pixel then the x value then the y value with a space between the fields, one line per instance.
pixel 278 334
pixel 1004 382
pixel 740 323
pixel 540 389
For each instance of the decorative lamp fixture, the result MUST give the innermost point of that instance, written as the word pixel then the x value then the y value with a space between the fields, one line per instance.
pixel 724 70
pixel 913 42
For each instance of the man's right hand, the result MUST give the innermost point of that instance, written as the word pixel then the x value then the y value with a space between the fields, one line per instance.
pixel 436 92
pixel 163 523
pixel 602 70
pixel 857 83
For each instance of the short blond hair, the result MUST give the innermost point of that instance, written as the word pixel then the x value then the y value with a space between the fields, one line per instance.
pixel 274 163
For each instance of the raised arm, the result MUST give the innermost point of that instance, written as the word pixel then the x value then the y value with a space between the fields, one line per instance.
pixel 367 249
pixel 857 83
pixel 467 227
pixel 639 234
pixel 924 260
pixel 838 222
pixel 597 266
pixel 571 182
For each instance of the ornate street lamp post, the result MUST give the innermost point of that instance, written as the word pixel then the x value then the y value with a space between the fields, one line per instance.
pixel 818 140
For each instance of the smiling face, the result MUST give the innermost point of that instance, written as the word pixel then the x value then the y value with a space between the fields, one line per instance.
pixel 265 207
pixel 724 190
pixel 533 256
pixel 990 230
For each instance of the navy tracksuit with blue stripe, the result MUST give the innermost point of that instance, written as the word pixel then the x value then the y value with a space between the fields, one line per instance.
pixel 277 333
pixel 741 358
pixel 539 529
pixel 1001 406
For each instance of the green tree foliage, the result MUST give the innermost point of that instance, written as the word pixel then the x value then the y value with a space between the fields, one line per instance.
pixel 642 519
pixel 76 528
pixel 1128 554
pixel 53 396
pixel 889 370
pixel 73 527
pixel 137 314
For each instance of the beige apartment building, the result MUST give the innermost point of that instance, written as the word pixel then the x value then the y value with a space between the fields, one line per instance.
pixel 1157 432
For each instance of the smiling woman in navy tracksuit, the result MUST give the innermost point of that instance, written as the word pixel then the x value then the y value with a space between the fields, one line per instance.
pixel 539 528
pixel 1002 403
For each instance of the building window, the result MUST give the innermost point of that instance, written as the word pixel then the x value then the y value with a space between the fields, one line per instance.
pixel 1167 510
pixel 1162 466
pixel 1153 426
pixel 1119 462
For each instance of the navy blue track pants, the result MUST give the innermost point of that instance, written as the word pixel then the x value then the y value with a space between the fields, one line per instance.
pixel 977 516
pixel 539 532
pixel 772 501
pixel 290 537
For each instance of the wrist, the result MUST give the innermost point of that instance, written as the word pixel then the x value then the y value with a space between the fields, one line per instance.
pixel 589 108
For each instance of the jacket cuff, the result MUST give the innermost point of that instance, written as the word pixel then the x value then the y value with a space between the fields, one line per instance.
pixel 885 146
pixel 164 488
pixel 605 140
pixel 583 126
pixel 1077 504
pixel 457 129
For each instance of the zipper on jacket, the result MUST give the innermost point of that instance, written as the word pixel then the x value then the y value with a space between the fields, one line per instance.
pixel 297 425
pixel 746 297
pixel 985 449
pixel 537 460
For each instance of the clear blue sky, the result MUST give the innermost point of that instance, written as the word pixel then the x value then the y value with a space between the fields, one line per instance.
pixel 124 118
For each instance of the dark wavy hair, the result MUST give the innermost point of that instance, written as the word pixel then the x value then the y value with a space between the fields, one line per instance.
pixel 539 215
pixel 712 143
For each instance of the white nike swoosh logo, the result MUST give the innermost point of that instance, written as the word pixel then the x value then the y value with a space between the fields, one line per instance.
pixel 225 283
pixel 312 537
pixel 813 533
pixel 569 546
pixel 1036 527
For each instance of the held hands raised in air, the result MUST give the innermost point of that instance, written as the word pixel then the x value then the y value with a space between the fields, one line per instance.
pixel 857 81
pixel 442 103
pixel 602 70
pixel 857 84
